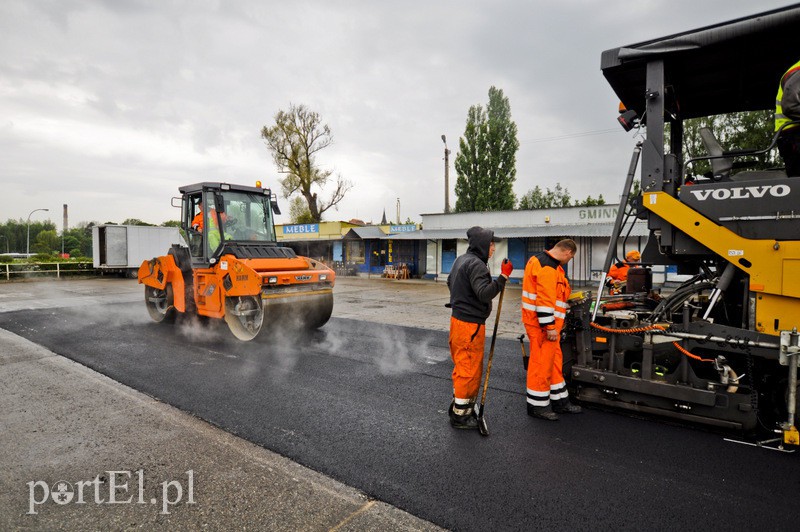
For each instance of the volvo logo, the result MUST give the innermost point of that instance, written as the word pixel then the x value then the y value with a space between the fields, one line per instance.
pixel 777 191
pixel 302 277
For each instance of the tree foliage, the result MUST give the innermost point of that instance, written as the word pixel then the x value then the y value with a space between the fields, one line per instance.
pixel 136 221
pixel 298 211
pixel 45 239
pixel 558 197
pixel 486 162
pixel 536 199
pixel 591 202
pixel 294 141
pixel 46 242
pixel 734 131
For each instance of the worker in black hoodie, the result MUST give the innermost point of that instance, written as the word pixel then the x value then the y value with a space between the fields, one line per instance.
pixel 471 292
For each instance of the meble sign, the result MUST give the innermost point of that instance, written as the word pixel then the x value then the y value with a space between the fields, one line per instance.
pixel 300 229
pixel 407 228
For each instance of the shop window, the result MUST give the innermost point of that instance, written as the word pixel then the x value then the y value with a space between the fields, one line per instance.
pixel 535 245
pixel 448 254
pixel 355 251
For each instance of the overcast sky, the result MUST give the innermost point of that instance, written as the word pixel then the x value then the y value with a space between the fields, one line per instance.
pixel 110 106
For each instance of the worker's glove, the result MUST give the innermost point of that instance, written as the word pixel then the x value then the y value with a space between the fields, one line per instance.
pixel 506 268
pixel 609 282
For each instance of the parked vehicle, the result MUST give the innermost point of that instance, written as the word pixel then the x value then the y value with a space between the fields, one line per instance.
pixel 120 249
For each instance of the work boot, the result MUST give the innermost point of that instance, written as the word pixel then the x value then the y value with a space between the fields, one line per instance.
pixel 543 412
pixel 563 406
pixel 463 418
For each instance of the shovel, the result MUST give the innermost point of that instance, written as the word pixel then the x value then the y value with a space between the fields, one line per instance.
pixel 482 426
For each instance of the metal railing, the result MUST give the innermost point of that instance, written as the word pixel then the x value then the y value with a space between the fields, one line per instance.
pixel 43 269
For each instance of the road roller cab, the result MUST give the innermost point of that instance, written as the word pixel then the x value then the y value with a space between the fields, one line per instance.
pixel 232 267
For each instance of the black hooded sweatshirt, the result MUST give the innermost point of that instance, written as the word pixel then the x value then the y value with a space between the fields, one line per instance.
pixel 471 286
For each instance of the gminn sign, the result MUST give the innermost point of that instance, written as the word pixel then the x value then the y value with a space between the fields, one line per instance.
pixel 408 228
pixel 598 213
pixel 300 229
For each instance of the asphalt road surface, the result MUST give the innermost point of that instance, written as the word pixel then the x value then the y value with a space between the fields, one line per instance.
pixel 365 403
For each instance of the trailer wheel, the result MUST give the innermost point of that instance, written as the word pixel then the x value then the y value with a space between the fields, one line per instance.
pixel 160 303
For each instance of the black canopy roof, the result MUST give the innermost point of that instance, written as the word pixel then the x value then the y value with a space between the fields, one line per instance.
pixel 728 67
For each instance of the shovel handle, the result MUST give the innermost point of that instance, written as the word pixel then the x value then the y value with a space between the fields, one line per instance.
pixel 491 350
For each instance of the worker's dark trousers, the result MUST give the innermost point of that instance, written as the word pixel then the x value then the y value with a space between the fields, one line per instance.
pixel 789 148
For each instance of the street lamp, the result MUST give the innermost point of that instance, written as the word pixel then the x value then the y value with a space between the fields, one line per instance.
pixel 28 247
pixel 446 176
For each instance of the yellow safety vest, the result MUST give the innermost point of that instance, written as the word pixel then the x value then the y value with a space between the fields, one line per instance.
pixel 780 118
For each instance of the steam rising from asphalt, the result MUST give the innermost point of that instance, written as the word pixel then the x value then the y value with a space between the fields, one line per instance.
pixel 274 354
pixel 396 355
pixel 199 329
pixel 389 348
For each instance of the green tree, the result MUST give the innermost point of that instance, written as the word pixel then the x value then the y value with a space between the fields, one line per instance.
pixel 734 131
pixel 72 245
pixel 298 211
pixel 294 141
pixel 470 163
pixel 536 199
pixel 486 162
pixel 78 240
pixel 591 202
pixel 46 242
pixel 14 234
pixel 171 223
pixel 136 221
pixel 533 199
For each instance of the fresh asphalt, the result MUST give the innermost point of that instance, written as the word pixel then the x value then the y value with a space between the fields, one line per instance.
pixel 365 403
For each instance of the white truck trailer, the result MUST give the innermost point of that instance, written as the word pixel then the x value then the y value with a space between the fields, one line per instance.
pixel 122 248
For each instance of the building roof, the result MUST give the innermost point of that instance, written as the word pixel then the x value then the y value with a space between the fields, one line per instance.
pixel 364 233
pixel 566 230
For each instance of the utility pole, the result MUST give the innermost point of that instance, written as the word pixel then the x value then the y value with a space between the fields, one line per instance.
pixel 64 229
pixel 398 211
pixel 446 176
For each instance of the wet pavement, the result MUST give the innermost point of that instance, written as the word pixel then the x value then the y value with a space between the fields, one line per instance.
pixel 74 436
pixel 81 451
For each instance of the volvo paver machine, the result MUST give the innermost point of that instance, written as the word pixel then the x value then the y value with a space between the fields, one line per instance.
pixel 233 267
pixel 722 348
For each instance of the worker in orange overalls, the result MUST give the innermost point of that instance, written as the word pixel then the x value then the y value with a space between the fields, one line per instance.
pixel 545 291
pixel 471 292
pixel 618 273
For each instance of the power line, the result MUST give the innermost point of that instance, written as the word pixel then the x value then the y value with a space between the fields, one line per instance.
pixel 575 135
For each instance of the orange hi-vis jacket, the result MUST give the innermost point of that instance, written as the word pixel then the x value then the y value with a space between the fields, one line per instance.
pixel 619 271
pixel 545 290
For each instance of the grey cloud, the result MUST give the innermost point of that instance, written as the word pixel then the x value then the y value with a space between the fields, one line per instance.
pixel 110 106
